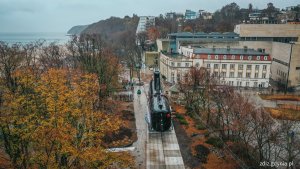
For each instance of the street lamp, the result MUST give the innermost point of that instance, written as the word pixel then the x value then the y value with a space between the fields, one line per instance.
pixel 287 78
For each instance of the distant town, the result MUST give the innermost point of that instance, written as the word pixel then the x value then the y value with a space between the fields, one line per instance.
pixel 185 89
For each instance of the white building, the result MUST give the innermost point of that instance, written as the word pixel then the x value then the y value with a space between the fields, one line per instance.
pixel 234 67
pixel 282 42
pixel 144 23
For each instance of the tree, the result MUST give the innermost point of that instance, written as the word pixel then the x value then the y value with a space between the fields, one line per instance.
pixel 52 56
pixel 196 87
pixel 187 29
pixel 93 56
pixel 53 122
pixel 250 7
pixel 51 117
pixel 10 59
pixel 153 33
pixel 141 38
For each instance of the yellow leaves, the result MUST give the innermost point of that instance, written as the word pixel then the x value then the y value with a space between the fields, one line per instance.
pixel 56 112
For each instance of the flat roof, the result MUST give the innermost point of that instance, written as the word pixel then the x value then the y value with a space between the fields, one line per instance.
pixel 232 51
pixel 203 34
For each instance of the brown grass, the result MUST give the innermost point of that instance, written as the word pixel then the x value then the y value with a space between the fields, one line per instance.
pixel 280 97
pixel 213 161
pixel 289 106
pixel 284 114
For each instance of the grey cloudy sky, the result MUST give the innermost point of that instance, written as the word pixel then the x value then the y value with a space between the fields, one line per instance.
pixel 60 15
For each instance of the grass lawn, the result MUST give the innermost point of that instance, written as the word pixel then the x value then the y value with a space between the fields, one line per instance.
pixel 280 97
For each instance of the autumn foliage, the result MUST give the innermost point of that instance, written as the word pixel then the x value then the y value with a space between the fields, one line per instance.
pixel 51 117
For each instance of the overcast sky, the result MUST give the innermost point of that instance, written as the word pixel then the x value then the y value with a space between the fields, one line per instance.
pixel 61 15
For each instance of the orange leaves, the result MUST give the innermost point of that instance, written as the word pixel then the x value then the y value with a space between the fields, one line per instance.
pixel 153 33
pixel 57 113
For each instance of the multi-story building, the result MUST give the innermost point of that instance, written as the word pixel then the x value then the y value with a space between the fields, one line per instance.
pixel 189 14
pixel 282 42
pixel 144 23
pixel 175 40
pixel 235 67
pixel 170 15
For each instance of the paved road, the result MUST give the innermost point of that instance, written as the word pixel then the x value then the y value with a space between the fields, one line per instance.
pixel 140 109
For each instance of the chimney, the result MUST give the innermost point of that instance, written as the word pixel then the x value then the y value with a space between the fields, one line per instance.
pixel 228 48
pixel 245 48
pixel 157 81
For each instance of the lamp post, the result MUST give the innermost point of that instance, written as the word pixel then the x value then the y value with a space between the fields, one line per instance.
pixel 289 65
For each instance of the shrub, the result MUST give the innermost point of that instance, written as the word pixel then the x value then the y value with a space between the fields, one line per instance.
pixel 179 116
pixel 202 153
pixel 183 122
pixel 181 119
pixel 206 134
pixel 200 126
pixel 215 141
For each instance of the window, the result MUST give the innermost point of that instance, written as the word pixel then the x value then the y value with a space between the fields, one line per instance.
pixel 231 74
pixel 178 77
pixel 257 57
pixel 223 74
pixel 249 57
pixel 197 64
pixel 224 57
pixel 256 67
pixel 216 74
pixel 255 84
pixel 173 78
pixel 208 57
pixel 173 64
pixel 248 75
pixel 240 74
pixel 216 57
pixel 224 66
pixel 247 84
pixel 241 57
pixel 263 75
pixel 216 66
pixel 208 66
pixel 265 57
pixel 186 78
pixel 233 57
pixel 264 67
pixel 187 65
pixel 240 67
pixel 232 66
pixel 178 64
pixel 249 67
pixel 263 84
pixel 256 75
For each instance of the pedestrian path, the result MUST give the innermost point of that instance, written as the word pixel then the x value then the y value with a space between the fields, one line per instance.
pixel 163 151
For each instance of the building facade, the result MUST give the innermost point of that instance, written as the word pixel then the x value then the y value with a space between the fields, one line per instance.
pixel 234 67
pixel 182 38
pixel 144 23
pixel 282 42
pixel 189 14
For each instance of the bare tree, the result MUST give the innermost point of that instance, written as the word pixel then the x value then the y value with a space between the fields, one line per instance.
pixel 10 59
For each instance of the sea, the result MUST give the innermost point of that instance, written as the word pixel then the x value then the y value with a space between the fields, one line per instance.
pixel 11 38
